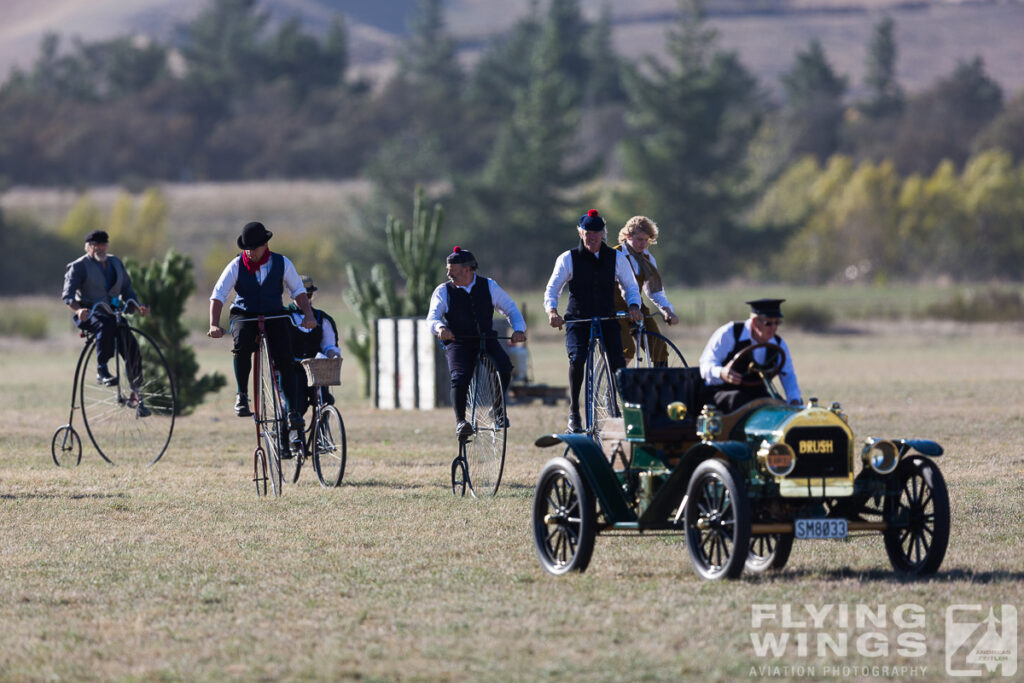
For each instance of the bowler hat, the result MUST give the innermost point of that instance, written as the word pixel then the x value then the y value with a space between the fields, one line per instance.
pixel 97 236
pixel 307 282
pixel 253 235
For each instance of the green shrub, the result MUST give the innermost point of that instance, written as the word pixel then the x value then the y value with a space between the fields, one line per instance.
pixel 809 317
pixel 166 287
pixel 990 304
pixel 24 324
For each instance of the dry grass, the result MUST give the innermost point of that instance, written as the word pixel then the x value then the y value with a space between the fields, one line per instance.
pixel 181 572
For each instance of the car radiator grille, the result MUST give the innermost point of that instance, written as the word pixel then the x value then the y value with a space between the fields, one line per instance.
pixel 820 452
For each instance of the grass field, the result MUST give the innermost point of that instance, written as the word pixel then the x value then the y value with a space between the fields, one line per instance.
pixel 180 572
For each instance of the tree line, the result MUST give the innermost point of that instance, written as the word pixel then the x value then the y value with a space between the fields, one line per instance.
pixel 813 185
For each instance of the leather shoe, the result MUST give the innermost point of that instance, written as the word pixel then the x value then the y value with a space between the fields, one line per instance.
pixel 142 411
pixel 242 406
pixel 463 428
pixel 104 377
pixel 575 425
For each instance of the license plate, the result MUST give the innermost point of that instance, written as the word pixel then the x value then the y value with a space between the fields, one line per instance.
pixel 820 528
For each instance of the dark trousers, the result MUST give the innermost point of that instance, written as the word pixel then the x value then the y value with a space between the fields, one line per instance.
pixel 729 398
pixel 307 398
pixel 461 364
pixel 103 328
pixel 280 342
pixel 577 344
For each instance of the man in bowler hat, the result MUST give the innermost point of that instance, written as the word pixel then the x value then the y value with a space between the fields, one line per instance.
pixel 460 314
pixel 259 279
pixel 99 277
pixel 716 367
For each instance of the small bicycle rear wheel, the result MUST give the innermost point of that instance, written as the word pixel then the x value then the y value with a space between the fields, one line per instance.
pixel 131 418
pixel 485 447
pixel 459 476
pixel 329 446
pixel 66 447
pixel 270 415
pixel 259 471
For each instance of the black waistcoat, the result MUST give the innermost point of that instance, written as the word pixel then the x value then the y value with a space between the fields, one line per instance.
pixel 261 299
pixel 470 313
pixel 592 287
pixel 737 330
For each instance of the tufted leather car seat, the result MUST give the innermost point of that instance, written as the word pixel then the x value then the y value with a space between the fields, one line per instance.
pixel 653 389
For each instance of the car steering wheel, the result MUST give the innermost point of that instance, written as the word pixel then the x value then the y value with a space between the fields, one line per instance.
pixel 755 373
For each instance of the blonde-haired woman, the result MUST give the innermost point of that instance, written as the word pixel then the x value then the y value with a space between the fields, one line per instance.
pixel 635 237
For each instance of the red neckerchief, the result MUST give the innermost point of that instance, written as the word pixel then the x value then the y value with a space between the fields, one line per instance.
pixel 251 266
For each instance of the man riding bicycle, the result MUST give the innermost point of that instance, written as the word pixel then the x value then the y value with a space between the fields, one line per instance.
pixel 99 277
pixel 460 314
pixel 259 279
pixel 591 270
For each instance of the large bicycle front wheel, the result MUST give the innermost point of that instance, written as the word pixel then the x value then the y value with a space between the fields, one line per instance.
pixel 485 447
pixel 270 416
pixel 600 395
pixel 329 446
pixel 657 350
pixel 130 418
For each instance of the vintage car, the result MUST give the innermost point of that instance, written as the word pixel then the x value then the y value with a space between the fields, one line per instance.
pixel 740 486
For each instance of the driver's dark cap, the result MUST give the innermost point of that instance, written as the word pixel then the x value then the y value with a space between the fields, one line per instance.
pixel 770 308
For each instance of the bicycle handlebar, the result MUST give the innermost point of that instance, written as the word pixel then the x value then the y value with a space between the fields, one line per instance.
pixel 258 318
pixel 579 321
pixel 123 308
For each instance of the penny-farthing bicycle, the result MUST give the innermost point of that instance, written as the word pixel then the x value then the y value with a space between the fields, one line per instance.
pixel 647 341
pixel 325 437
pixel 130 417
pixel 481 459
pixel 269 413
pixel 599 403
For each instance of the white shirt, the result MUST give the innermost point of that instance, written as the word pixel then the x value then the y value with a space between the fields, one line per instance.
pixel 503 303
pixel 722 342
pixel 229 277
pixel 329 340
pixel 659 298
pixel 562 273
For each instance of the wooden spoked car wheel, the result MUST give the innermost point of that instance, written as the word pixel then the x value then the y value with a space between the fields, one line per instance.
pixel 917 517
pixel 717 515
pixel 564 518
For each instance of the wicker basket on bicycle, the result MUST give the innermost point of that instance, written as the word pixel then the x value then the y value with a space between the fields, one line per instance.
pixel 322 372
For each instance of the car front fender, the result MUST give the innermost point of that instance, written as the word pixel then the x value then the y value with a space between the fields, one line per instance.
pixel 597 472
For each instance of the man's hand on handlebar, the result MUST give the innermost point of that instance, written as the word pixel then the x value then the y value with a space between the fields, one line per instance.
pixel 518 337
pixel 634 313
pixel 82 314
pixel 555 320
pixel 671 318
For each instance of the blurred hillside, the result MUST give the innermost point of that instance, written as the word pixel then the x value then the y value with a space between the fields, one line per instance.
pixel 823 142
pixel 933 34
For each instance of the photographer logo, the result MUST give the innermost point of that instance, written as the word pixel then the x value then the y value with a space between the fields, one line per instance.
pixel 977 644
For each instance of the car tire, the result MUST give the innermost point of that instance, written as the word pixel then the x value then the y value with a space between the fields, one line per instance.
pixel 717 521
